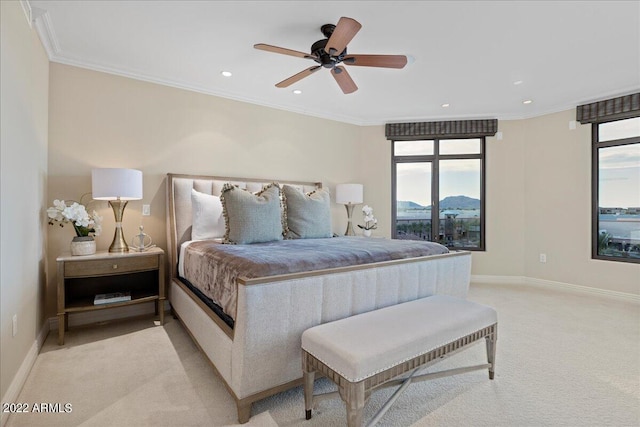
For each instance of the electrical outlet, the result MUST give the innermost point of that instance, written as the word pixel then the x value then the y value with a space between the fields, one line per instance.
pixel 543 258
pixel 146 210
pixel 14 322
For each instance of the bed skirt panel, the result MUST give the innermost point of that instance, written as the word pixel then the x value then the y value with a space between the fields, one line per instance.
pixel 211 339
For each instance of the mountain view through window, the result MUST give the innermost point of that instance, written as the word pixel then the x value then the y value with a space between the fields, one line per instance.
pixel 438 191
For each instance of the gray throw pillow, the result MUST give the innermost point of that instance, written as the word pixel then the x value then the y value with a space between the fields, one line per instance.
pixel 308 215
pixel 252 218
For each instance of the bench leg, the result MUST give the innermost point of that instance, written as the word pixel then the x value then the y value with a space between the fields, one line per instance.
pixel 354 397
pixel 308 378
pixel 491 353
pixel 244 411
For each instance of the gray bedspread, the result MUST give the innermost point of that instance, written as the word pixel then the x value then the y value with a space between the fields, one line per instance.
pixel 213 267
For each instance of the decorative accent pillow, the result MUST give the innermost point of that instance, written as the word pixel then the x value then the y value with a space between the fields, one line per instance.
pixel 308 215
pixel 252 218
pixel 207 219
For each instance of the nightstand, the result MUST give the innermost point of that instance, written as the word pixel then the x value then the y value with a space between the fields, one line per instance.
pixel 81 278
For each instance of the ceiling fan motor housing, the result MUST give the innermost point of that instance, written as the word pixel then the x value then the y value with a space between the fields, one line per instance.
pixel 324 58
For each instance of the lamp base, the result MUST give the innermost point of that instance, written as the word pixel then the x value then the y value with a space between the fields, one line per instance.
pixel 349 231
pixel 119 244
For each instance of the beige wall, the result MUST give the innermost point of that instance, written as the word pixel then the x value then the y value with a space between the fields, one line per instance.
pixel 101 120
pixel 24 69
pixel 536 201
pixel 557 187
pixel 505 201
pixel 375 164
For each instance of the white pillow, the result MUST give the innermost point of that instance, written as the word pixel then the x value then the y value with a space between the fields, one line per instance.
pixel 207 221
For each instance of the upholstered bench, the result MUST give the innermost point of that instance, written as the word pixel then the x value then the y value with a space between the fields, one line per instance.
pixel 370 350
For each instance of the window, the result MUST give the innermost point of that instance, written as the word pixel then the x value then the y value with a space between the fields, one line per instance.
pixel 438 191
pixel 616 190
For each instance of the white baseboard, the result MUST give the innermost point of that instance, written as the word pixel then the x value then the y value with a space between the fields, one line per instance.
pixel 550 284
pixel 583 289
pixel 75 319
pixel 509 280
pixel 23 372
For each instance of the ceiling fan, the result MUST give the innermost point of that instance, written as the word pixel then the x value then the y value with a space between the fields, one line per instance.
pixel 331 51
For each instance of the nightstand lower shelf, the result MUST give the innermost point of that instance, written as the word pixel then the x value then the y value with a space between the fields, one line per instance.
pixel 88 305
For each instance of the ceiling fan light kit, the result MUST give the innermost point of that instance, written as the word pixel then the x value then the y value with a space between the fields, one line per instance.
pixel 331 51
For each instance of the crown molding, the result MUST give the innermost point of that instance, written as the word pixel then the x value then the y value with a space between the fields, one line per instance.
pixel 61 59
pixel 41 20
pixel 44 27
pixel 28 13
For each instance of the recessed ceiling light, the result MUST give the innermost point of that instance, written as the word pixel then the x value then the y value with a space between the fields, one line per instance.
pixel 517 82
pixel 297 91
pixel 445 105
pixel 527 101
pixel 226 73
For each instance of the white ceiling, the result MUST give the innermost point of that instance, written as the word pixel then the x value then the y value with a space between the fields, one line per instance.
pixel 467 53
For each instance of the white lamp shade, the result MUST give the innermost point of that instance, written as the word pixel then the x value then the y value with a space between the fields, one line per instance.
pixel 114 183
pixel 349 193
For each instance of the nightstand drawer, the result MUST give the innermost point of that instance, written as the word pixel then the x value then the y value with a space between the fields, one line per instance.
pixel 109 266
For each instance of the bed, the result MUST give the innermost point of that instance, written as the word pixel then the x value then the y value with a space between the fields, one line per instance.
pixel 254 346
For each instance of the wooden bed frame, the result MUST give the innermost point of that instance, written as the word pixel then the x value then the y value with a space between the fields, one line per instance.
pixel 261 355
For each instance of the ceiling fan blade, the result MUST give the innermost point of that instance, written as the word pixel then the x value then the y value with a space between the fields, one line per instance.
pixel 342 35
pixel 297 77
pixel 344 80
pixel 384 61
pixel 282 50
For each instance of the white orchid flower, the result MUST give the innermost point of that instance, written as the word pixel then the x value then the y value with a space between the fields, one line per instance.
pixel 55 214
pixel 370 222
pixel 76 214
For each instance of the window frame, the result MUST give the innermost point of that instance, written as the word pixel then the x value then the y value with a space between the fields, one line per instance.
pixel 435 159
pixel 595 186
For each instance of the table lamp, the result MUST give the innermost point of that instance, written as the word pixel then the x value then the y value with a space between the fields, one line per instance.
pixel 118 186
pixel 349 195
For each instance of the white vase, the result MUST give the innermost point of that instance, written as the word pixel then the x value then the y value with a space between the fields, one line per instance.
pixel 84 245
pixel 366 233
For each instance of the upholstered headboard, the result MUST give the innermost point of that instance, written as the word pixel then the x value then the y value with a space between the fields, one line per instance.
pixel 179 210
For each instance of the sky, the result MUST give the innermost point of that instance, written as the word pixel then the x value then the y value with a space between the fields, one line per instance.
pixel 457 178
pixel 620 176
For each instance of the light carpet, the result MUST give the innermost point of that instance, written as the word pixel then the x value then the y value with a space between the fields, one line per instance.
pixel 563 359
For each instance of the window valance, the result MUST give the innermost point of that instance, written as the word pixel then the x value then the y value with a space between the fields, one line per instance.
pixel 452 129
pixel 622 107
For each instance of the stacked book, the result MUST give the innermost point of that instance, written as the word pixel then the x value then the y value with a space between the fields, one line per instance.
pixel 111 298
